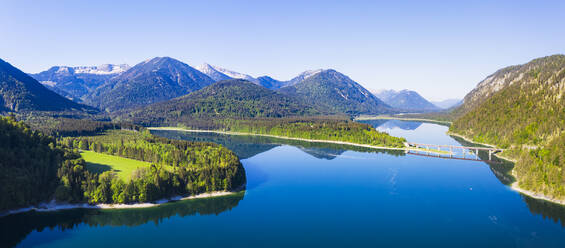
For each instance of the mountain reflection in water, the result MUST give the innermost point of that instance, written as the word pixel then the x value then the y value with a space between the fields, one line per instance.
pixel 390 124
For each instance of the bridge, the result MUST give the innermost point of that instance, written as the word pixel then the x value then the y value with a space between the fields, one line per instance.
pixel 438 149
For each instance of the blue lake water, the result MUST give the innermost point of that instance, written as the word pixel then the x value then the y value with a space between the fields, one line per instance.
pixel 318 195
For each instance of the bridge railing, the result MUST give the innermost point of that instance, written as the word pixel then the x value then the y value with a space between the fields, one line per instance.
pixel 427 150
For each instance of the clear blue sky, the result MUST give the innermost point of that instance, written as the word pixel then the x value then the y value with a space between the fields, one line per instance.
pixel 439 49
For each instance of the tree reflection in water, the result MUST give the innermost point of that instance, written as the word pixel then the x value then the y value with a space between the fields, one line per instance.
pixel 246 146
pixel 14 228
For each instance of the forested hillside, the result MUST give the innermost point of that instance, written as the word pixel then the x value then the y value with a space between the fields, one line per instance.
pixel 28 165
pixel 522 108
pixel 233 98
pixel 331 90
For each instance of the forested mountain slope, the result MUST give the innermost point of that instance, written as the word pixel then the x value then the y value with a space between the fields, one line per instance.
pixel 233 98
pixel 335 92
pixel 28 165
pixel 522 108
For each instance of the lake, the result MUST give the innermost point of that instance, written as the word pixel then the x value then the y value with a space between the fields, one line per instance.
pixel 303 194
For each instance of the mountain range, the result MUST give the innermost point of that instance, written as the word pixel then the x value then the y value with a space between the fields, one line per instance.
pixel 151 81
pixel 120 87
pixel 76 82
pixel 219 74
pixel 406 100
pixel 21 93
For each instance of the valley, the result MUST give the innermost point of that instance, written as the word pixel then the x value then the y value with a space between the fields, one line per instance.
pixel 161 131
pixel 266 124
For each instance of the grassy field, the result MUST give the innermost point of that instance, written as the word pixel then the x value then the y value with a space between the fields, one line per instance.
pixel 99 162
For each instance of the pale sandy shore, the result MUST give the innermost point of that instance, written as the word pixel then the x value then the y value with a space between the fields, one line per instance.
pixel 54 206
pixel 535 195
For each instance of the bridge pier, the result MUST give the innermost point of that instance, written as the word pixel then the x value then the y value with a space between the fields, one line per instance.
pixel 490 155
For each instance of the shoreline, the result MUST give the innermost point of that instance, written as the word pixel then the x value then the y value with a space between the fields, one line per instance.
pixel 535 195
pixel 514 186
pixel 292 138
pixel 54 206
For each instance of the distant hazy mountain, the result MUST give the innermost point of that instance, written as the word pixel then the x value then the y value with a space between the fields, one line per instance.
pixel 234 98
pixel 219 74
pixel 76 82
pixel 449 103
pixel 20 92
pixel 384 124
pixel 155 80
pixel 332 91
pixel 212 73
pixel 271 83
pixel 406 100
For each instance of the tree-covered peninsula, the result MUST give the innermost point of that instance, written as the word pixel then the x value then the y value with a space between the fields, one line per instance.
pixel 36 168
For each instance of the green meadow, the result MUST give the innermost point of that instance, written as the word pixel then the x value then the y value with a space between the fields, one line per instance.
pixel 99 162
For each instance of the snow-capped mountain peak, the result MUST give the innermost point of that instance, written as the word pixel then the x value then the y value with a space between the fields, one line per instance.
pixel 233 74
pixel 212 73
pixel 105 69
pixel 205 68
pixel 310 73
pixel 102 69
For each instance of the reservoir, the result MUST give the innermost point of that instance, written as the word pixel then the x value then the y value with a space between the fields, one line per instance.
pixel 302 194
